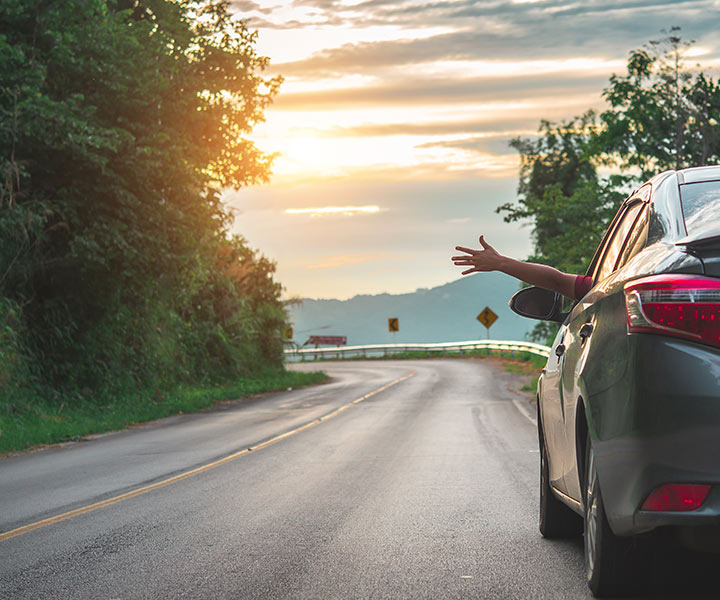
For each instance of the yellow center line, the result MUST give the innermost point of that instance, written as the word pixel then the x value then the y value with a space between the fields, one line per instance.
pixel 170 480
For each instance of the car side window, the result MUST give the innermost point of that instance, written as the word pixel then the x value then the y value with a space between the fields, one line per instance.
pixel 616 244
pixel 642 194
pixel 637 239
pixel 594 267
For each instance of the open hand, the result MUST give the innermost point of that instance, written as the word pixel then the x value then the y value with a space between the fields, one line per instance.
pixel 487 259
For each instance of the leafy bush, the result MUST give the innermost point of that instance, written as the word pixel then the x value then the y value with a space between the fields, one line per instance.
pixel 120 122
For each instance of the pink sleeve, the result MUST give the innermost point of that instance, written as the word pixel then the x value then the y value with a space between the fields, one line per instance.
pixel 583 283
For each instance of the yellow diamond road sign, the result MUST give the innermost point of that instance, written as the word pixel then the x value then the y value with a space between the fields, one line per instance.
pixel 393 324
pixel 487 317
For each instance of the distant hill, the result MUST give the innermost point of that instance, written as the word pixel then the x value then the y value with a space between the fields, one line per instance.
pixel 446 313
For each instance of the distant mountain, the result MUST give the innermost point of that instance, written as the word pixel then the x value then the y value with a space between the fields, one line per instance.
pixel 446 313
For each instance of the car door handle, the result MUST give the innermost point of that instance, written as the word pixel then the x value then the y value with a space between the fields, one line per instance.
pixel 585 331
pixel 559 350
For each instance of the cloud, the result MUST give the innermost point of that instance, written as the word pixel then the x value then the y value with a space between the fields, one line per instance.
pixel 607 7
pixel 438 90
pixel 409 13
pixel 320 211
pixel 495 145
pixel 490 167
pixel 506 126
pixel 246 6
pixel 480 29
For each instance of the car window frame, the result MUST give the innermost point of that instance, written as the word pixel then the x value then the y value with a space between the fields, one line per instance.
pixel 643 194
pixel 591 271
pixel 628 252
pixel 627 206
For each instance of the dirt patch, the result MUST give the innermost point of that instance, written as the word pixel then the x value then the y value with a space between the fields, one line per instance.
pixel 524 374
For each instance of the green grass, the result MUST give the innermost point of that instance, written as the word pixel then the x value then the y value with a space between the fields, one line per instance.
pixel 36 422
pixel 532 386
pixel 531 366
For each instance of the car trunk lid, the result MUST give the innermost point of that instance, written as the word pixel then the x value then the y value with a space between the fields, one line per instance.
pixel 706 246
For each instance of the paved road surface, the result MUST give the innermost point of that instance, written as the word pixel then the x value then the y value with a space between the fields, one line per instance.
pixel 427 489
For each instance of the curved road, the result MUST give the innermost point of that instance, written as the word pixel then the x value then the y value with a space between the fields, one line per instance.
pixel 423 489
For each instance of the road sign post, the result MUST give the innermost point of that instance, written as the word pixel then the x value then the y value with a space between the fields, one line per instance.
pixel 393 326
pixel 487 317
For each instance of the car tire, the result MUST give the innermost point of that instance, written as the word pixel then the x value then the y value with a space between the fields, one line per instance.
pixel 556 519
pixel 612 563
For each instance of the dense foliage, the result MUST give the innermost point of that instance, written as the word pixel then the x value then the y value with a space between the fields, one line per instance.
pixel 661 115
pixel 561 193
pixel 120 122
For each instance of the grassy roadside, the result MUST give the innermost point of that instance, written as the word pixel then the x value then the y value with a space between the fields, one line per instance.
pixel 529 368
pixel 38 423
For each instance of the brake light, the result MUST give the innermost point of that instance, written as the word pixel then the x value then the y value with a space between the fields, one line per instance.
pixel 677 497
pixel 686 306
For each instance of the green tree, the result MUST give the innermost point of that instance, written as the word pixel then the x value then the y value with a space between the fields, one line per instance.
pixel 563 198
pixel 560 193
pixel 662 114
pixel 120 123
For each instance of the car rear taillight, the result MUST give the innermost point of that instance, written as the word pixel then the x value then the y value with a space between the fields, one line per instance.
pixel 686 306
pixel 677 497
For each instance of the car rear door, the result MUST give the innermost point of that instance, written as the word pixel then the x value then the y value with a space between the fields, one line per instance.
pixel 551 410
pixel 596 310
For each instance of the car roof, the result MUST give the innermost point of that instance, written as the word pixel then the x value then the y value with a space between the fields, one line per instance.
pixel 666 201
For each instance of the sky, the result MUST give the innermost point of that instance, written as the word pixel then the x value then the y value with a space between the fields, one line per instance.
pixel 391 128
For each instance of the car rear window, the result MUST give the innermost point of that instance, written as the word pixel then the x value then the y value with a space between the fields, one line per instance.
pixel 701 206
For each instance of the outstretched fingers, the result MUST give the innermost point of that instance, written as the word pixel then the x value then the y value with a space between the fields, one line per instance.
pixel 480 261
pixel 468 250
pixel 466 260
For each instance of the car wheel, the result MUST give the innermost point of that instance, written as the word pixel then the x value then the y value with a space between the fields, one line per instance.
pixel 612 563
pixel 556 519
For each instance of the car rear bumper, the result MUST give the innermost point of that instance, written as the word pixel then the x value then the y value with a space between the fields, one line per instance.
pixel 660 425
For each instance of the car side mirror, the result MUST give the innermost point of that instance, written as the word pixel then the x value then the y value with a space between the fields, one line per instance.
pixel 538 303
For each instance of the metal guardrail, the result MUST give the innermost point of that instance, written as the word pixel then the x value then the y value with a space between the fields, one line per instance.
pixel 390 349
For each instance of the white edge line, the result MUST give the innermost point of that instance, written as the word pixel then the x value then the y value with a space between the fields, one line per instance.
pixel 525 410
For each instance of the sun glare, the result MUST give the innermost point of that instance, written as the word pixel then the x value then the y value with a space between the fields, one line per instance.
pixel 283 45
pixel 696 51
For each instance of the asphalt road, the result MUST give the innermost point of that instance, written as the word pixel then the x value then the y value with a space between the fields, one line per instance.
pixel 425 489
